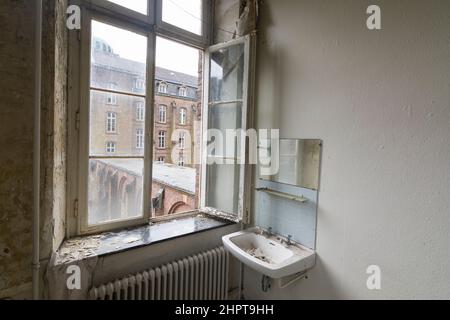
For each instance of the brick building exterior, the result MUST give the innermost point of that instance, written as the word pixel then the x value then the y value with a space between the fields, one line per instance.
pixel 117 131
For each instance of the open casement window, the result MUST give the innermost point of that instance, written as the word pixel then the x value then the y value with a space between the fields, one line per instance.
pixel 226 172
pixel 112 62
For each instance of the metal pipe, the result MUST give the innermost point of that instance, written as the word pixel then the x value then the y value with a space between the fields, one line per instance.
pixel 241 274
pixel 37 149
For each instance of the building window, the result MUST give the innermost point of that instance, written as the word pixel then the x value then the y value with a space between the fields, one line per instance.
pixel 110 147
pixel 111 98
pixel 182 92
pixel 181 161
pixel 182 140
pixel 183 116
pixel 161 160
pixel 162 113
pixel 162 87
pixel 140 111
pixel 106 200
pixel 140 138
pixel 111 122
pixel 162 139
pixel 139 84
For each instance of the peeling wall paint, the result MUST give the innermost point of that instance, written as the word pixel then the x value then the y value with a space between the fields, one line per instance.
pixel 54 124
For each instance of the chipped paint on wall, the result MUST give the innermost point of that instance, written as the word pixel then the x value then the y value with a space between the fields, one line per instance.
pixel 54 124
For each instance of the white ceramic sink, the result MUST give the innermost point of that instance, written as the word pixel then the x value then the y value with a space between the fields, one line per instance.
pixel 268 255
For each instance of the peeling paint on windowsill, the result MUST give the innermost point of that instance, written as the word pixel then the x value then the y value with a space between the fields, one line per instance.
pixel 114 242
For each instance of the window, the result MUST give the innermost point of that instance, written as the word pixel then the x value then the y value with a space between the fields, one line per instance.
pixel 162 139
pixel 140 111
pixel 111 122
pixel 185 14
pixel 182 92
pixel 226 107
pixel 162 113
pixel 162 87
pixel 111 175
pixel 110 147
pixel 111 97
pixel 112 184
pixel 140 138
pixel 139 84
pixel 182 140
pixel 183 116
pixel 136 5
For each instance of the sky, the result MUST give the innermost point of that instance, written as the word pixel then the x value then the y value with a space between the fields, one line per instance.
pixel 169 54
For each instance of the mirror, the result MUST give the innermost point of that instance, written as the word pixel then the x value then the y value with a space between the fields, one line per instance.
pixel 298 161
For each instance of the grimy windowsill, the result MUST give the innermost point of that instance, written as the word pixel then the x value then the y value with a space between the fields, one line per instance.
pixel 159 230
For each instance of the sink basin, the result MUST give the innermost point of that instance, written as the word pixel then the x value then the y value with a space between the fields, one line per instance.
pixel 268 255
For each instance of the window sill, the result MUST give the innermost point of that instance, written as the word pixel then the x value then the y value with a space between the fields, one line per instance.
pixel 110 243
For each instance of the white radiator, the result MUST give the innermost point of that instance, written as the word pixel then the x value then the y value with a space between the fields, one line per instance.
pixel 203 276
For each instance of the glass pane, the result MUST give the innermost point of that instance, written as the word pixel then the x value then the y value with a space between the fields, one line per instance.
pixel 227 74
pixel 136 5
pixel 225 116
pixel 177 129
pixel 224 156
pixel 223 187
pixel 116 124
pixel 224 120
pixel 185 14
pixel 116 118
pixel 225 126
pixel 118 59
pixel 115 189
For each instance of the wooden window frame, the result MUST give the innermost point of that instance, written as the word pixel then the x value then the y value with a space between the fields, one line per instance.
pixel 245 176
pixel 150 26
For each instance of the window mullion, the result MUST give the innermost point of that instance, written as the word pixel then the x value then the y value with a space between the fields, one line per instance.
pixel 114 96
pixel 149 123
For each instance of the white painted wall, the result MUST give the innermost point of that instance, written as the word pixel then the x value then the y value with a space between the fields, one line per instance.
pixel 380 102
